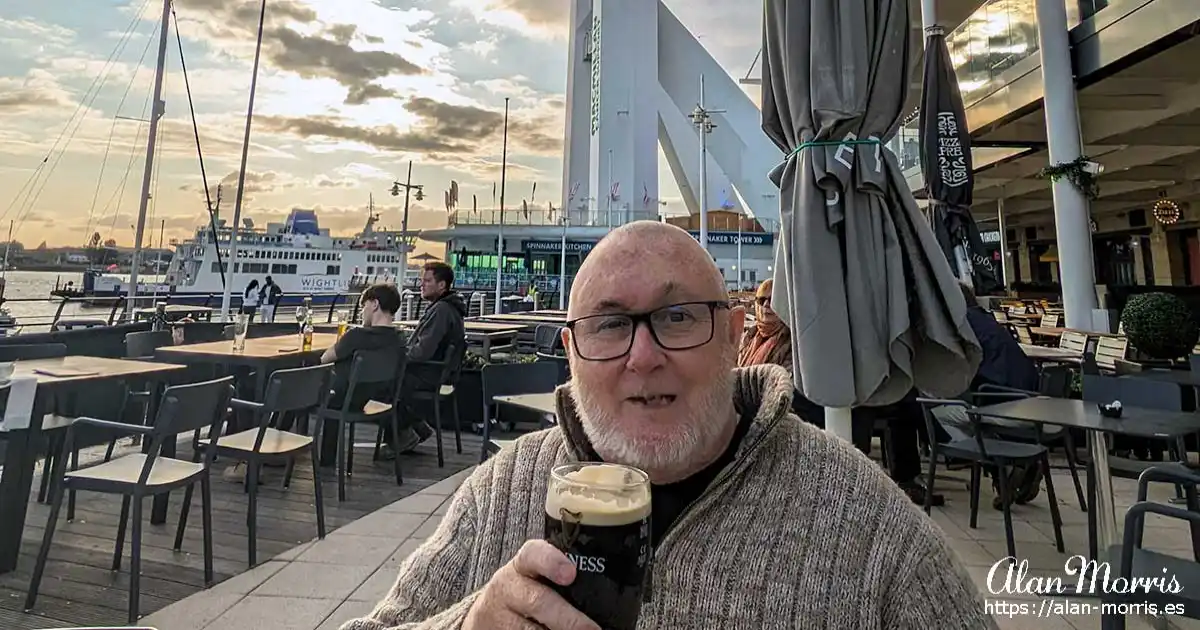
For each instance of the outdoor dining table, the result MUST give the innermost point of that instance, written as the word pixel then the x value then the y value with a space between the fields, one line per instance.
pixel 1042 353
pixel 175 312
pixel 488 335
pixel 263 354
pixel 542 403
pixel 1085 416
pixel 55 376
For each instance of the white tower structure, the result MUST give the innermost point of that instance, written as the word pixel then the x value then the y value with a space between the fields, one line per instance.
pixel 633 77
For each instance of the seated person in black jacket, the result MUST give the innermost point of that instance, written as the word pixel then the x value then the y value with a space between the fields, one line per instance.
pixel 378 306
pixel 1006 365
pixel 441 324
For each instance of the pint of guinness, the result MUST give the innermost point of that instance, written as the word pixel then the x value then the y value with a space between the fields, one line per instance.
pixel 599 515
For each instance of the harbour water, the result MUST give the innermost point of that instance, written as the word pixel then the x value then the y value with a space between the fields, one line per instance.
pixel 29 300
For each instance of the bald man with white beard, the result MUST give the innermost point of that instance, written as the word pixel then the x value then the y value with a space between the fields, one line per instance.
pixel 758 520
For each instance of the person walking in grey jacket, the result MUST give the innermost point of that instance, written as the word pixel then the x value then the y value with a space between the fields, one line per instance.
pixel 758 520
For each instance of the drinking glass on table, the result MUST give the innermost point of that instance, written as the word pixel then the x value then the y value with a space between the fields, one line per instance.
pixel 241 326
pixel 599 515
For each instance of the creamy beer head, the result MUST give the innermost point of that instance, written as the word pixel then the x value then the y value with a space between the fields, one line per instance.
pixel 600 495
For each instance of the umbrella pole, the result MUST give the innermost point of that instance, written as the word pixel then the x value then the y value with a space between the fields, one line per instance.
pixel 839 422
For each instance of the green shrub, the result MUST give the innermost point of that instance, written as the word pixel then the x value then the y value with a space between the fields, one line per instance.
pixel 1160 325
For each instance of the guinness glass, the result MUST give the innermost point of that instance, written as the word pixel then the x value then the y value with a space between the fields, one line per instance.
pixel 599 515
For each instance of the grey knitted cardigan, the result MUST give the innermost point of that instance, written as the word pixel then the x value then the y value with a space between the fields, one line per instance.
pixel 800 531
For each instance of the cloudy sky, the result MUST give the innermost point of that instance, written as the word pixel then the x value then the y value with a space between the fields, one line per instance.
pixel 348 93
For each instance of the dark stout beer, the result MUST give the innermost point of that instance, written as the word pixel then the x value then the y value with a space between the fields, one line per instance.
pixel 599 515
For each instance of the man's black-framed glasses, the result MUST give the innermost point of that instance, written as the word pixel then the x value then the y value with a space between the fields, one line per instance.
pixel 675 327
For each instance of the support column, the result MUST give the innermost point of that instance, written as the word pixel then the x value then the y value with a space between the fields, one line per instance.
pixel 1071 215
pixel 1005 262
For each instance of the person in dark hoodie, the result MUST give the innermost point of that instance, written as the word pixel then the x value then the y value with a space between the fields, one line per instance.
pixel 441 324
pixel 378 305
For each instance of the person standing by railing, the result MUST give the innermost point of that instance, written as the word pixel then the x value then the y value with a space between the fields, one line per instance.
pixel 250 299
pixel 269 296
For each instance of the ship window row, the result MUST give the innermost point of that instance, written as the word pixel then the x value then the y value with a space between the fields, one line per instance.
pixel 283 254
pixel 382 258
pixel 275 268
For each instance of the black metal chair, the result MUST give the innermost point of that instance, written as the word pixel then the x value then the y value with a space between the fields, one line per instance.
pixel 297 390
pixel 373 370
pixel 450 370
pixel 184 408
pixel 993 393
pixel 999 455
pixel 509 380
pixel 32 351
pixel 547 339
pixel 138 345
pixel 1136 564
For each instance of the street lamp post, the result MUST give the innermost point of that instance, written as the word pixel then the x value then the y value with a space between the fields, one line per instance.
pixel 701 118
pixel 562 264
pixel 407 186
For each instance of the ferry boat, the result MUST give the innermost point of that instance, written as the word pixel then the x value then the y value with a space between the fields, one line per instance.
pixel 303 258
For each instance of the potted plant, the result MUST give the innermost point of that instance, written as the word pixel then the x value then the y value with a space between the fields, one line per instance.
pixel 1160 325
pixel 470 384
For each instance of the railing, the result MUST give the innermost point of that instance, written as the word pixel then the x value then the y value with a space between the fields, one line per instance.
pixel 112 310
pixel 541 217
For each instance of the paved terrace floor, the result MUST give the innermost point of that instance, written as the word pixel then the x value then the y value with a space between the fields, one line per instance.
pixel 320 585
pixel 78 588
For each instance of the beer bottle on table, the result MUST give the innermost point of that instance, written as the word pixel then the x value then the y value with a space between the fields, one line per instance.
pixel 598 514
pixel 306 336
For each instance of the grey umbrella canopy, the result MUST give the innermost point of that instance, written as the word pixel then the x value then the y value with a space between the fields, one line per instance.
pixel 870 299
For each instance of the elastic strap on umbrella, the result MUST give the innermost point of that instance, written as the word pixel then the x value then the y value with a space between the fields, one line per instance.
pixel 834 143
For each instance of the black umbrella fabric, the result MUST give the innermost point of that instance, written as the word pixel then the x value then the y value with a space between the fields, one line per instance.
pixel 872 304
pixel 947 169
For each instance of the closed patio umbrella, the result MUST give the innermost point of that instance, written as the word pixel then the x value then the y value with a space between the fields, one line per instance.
pixel 870 299
pixel 947 169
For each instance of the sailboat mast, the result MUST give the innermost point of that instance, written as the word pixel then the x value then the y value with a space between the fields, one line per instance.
pixel 227 297
pixel 156 112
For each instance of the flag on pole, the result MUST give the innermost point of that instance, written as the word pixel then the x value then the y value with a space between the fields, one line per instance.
pixel 574 191
pixel 448 204
pixel 525 208
pixel 645 196
pixel 474 204
pixel 614 193
pixel 533 193
pixel 453 193
pixel 493 194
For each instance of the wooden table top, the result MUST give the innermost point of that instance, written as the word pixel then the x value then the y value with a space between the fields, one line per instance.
pixel 543 403
pixel 1058 331
pixel 78 369
pixel 256 348
pixel 1042 352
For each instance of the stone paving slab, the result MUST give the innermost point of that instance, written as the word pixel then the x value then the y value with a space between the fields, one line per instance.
pixel 321 584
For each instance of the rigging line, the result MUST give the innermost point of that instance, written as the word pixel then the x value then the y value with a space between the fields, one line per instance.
pixel 120 47
pixel 78 124
pixel 111 131
pixel 119 190
pixel 212 217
